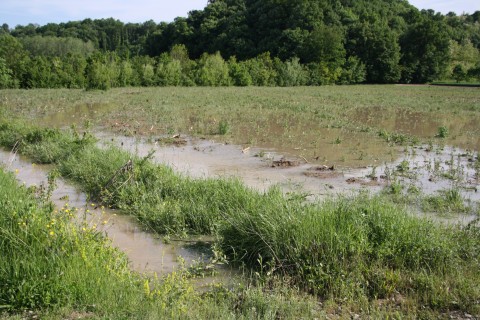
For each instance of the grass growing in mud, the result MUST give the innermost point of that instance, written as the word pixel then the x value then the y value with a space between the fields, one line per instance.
pixel 364 253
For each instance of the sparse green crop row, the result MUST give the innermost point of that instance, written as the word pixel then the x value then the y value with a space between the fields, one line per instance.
pixel 346 250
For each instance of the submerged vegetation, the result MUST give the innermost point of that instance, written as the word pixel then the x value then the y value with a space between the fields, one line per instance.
pixel 364 254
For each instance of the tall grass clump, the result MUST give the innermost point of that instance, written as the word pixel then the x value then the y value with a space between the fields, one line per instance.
pixel 361 249
pixel 45 261
pixel 161 199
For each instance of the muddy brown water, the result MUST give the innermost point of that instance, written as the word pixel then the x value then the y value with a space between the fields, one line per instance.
pixel 464 130
pixel 430 170
pixel 147 254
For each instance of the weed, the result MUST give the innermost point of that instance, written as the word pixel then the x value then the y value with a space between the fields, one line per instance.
pixel 447 201
pixel 403 167
pixel 51 268
pixel 442 132
pixel 223 128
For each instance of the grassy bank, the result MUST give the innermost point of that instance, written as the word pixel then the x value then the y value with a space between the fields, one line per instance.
pixel 49 264
pixel 363 252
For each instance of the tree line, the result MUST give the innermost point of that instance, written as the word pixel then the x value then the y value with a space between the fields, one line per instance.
pixel 248 42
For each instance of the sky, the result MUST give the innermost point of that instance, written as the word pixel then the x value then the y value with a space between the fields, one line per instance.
pixel 23 12
pixel 446 6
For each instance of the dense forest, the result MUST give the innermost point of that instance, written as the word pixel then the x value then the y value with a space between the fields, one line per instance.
pixel 248 42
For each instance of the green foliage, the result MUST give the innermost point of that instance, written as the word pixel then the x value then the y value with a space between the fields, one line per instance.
pixel 101 71
pixel 169 71
pixel 360 249
pixel 474 72
pixel 377 47
pixel 57 46
pixel 459 73
pixel 397 137
pixel 262 70
pixel 238 72
pixel 322 74
pixel 426 50
pixel 43 145
pixel 212 71
pixel 393 41
pixel 5 75
pixel 47 261
pixel 223 127
pixel 15 59
pixel 291 73
pixel 54 268
pixel 463 57
pixel 447 201
pixel 442 132
pixel 353 71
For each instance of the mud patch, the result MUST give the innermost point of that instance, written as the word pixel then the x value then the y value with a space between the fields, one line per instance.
pixel 323 172
pixel 369 181
pixel 175 140
pixel 284 163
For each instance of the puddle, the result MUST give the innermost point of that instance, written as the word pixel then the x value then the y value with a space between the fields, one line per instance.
pixel 147 254
pixel 464 130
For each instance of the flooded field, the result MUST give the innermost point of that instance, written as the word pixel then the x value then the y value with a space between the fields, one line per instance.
pixel 428 171
pixel 351 170
pixel 314 141
pixel 350 126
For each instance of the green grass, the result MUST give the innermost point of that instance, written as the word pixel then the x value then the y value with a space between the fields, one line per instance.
pixel 447 201
pixel 48 262
pixel 361 249
pixel 350 251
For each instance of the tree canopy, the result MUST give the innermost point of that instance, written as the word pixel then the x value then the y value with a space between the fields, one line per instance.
pixel 329 41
